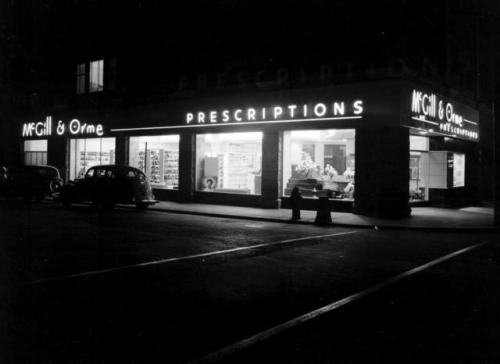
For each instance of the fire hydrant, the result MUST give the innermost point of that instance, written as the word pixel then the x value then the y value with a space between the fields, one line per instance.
pixel 323 216
pixel 296 199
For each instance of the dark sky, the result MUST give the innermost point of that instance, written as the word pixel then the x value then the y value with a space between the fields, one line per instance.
pixel 156 40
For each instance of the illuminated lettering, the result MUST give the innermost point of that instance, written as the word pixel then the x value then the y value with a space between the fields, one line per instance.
pixel 431 108
pixel 277 111
pixel 28 129
pixel 417 96
pixel 60 128
pixel 74 126
pixel 320 110
pixel 213 116
pixel 225 115
pixel 237 115
pixel 335 109
pixel 338 108
pixel 358 107
pixel 44 128
pixel 251 114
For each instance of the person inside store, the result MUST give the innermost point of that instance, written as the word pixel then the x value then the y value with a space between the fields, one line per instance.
pixel 209 184
pixel 349 189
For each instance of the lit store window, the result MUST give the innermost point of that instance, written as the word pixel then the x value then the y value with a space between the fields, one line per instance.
pixel 86 153
pixel 229 163
pixel 419 168
pixel 35 152
pixel 315 160
pixel 158 158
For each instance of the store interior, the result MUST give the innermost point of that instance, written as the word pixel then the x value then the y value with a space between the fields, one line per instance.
pixel 319 160
pixel 86 153
pixel 158 158
pixel 229 162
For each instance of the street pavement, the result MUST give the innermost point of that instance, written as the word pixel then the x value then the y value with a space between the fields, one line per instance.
pixel 83 285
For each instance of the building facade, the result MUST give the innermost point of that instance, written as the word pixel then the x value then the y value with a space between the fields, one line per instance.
pixel 376 147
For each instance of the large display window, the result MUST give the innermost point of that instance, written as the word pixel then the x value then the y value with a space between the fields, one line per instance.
pixel 229 163
pixel 86 153
pixel 318 160
pixel 35 152
pixel 419 165
pixel 158 158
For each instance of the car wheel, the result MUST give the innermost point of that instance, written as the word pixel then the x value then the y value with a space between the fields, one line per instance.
pixel 55 186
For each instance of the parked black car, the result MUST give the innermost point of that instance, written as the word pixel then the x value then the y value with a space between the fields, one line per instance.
pixel 110 184
pixel 31 181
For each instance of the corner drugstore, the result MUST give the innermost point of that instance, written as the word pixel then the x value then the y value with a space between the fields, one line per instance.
pixel 379 146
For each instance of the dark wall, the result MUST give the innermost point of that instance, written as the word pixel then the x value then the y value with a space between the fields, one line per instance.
pixel 382 172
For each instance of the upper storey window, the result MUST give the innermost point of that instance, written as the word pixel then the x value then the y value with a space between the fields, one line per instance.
pixel 80 78
pixel 96 76
pixel 90 77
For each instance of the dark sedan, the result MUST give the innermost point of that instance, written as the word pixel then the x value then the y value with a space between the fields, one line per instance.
pixel 110 184
pixel 31 181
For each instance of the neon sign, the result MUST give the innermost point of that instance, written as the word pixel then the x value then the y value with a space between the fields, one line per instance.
pixel 40 128
pixel 437 114
pixel 73 127
pixel 292 112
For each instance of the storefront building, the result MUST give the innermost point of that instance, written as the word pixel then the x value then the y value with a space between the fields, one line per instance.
pixel 377 146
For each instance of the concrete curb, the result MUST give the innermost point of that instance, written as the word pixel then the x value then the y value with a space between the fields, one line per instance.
pixel 303 222
pixel 483 229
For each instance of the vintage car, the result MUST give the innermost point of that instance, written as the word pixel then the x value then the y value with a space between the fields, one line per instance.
pixel 107 185
pixel 31 181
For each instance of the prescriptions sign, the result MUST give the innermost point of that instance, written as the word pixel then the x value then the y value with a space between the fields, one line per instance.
pixel 279 113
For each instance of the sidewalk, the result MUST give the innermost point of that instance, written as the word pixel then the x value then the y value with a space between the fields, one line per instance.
pixel 422 218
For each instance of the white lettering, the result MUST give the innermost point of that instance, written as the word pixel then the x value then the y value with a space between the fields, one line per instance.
pixel 425 106
pixel 277 111
pixel 358 107
pixel 39 128
pixel 415 105
pixel 99 130
pixel 449 112
pixel 292 108
pixel 189 117
pixel 213 116
pixel 225 115
pixel 74 126
pixel 305 110
pixel 60 128
pixel 201 118
pixel 320 110
pixel 28 129
pixel 338 108
pixel 251 114
pixel 237 115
